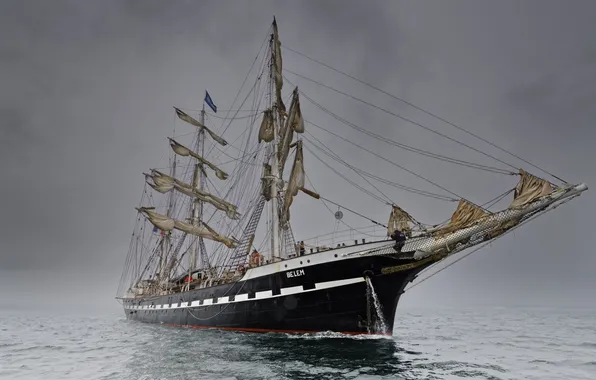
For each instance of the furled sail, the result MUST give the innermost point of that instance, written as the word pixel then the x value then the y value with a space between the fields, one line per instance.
pixel 164 183
pixel 167 224
pixel 160 221
pixel 277 64
pixel 181 150
pixel 295 183
pixel 190 120
pixel 266 130
pixel 266 182
pixel 294 123
pixel 400 220
pixel 464 215
pixel 158 184
pixel 529 188
pixel 162 179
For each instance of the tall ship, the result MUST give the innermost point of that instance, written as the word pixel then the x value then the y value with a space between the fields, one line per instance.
pixel 214 246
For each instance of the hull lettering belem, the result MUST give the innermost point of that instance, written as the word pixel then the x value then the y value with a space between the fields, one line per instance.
pixel 295 273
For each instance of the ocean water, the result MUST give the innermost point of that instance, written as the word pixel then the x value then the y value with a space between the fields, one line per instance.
pixel 489 343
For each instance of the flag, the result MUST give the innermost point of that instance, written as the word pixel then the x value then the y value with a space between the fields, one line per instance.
pixel 155 230
pixel 209 102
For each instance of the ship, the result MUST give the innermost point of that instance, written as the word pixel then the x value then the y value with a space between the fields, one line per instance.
pixel 213 244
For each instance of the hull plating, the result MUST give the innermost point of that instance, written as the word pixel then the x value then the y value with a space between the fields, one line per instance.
pixel 324 297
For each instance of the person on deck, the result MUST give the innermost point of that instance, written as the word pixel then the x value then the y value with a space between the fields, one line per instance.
pixel 255 259
pixel 400 240
pixel 302 249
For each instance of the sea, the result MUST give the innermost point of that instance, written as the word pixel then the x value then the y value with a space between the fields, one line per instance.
pixel 427 343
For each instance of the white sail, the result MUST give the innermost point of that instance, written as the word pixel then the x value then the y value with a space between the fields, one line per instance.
pixel 266 130
pixel 400 220
pixel 295 183
pixel 277 65
pixel 464 215
pixel 181 150
pixel 529 188
pixel 160 221
pixel 164 183
pixel 190 120
pixel 167 224
pixel 286 132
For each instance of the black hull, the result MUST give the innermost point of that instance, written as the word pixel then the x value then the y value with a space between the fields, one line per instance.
pixel 329 296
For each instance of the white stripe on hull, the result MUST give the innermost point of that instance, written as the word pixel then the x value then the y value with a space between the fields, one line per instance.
pixel 267 294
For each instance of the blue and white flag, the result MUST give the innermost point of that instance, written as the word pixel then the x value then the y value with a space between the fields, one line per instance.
pixel 209 102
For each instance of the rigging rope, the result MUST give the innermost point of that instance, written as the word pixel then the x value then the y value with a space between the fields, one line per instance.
pixel 356 171
pixel 372 195
pixel 400 117
pixel 353 212
pixel 391 162
pixel 331 211
pixel 408 147
pixel 538 214
pixel 413 190
pixel 424 111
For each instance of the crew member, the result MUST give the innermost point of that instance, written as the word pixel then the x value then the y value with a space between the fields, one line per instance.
pixel 302 249
pixel 255 259
pixel 400 239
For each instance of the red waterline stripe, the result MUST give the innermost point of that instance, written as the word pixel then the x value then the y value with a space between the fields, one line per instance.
pixel 250 329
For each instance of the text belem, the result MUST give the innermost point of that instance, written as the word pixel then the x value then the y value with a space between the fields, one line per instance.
pixel 295 273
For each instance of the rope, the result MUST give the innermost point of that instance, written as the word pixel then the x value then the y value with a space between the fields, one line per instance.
pixel 338 159
pixel 391 162
pixel 487 243
pixel 334 156
pixel 400 117
pixel 423 110
pixel 331 211
pixel 408 147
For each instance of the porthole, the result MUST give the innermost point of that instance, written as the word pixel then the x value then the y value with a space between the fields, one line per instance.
pixel 308 261
pixel 335 255
pixel 285 265
pixel 301 263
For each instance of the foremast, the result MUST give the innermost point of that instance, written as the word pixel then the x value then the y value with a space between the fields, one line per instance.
pixel 277 129
pixel 276 80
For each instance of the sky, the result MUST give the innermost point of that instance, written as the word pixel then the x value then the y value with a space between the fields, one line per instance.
pixel 86 90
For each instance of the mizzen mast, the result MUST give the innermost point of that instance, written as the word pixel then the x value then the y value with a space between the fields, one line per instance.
pixel 197 204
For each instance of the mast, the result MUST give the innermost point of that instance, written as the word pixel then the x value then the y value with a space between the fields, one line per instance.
pixel 197 206
pixel 165 238
pixel 274 164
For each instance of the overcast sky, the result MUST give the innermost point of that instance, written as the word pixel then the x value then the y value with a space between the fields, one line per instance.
pixel 86 90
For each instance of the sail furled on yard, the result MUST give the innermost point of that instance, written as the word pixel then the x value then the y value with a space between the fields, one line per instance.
pixel 277 72
pixel 464 215
pixel 181 150
pixel 294 123
pixel 190 120
pixel 400 220
pixel 167 224
pixel 529 188
pixel 295 183
pixel 164 183
pixel 266 182
pixel 266 130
